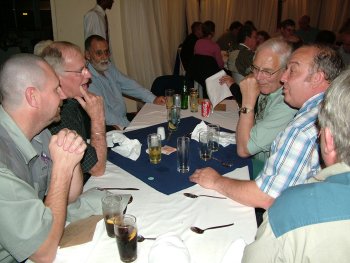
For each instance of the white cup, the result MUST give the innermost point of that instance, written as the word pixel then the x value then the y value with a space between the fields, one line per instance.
pixel 161 132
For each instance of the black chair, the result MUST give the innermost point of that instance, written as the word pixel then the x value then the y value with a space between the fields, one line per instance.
pixel 201 67
pixel 161 83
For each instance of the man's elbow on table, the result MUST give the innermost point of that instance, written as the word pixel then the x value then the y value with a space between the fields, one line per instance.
pixel 243 151
pixel 98 170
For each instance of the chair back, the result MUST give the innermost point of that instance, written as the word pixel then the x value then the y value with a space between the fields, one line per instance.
pixel 161 83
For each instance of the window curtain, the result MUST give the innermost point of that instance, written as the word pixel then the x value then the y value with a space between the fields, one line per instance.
pixel 152 31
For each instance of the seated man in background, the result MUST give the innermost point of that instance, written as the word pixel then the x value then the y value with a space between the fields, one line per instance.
pixel 308 223
pixel 294 153
pixel 241 58
pixel 256 132
pixel 82 110
pixel 187 47
pixel 108 82
pixel 344 49
pixel 228 40
pixel 39 174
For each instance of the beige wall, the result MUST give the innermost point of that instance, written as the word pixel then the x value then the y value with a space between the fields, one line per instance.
pixel 67 21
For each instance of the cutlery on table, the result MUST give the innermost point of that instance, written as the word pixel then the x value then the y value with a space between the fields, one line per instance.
pixel 141 238
pixel 226 164
pixel 195 196
pixel 201 231
pixel 115 188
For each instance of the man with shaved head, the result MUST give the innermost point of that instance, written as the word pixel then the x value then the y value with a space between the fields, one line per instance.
pixel 39 174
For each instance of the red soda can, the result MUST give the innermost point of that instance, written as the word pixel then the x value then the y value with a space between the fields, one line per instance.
pixel 206 108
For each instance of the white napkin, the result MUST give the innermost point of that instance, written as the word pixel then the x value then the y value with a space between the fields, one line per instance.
pixel 169 248
pixel 234 253
pixel 127 148
pixel 217 92
pixel 224 139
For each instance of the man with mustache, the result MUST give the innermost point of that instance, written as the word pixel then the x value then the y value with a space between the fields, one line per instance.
pixel 111 84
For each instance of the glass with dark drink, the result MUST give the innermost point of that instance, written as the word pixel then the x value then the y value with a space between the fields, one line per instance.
pixel 111 208
pixel 126 236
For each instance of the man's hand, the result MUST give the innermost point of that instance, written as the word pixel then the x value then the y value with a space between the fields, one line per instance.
pixel 92 104
pixel 250 91
pixel 226 79
pixel 206 177
pixel 159 100
pixel 67 148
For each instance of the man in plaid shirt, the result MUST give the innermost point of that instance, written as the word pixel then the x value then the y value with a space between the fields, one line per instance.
pixel 294 153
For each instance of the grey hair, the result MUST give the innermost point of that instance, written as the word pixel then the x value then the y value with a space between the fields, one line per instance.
pixel 328 61
pixel 18 73
pixel 40 46
pixel 54 54
pixel 278 46
pixel 334 115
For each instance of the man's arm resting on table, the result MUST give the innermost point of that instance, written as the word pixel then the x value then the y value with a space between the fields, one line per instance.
pixel 244 192
pixel 76 186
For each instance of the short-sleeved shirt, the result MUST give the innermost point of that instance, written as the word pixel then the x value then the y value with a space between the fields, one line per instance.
pixel 75 118
pixel 294 155
pixel 24 176
pixel 95 22
pixel 307 223
pixel 276 116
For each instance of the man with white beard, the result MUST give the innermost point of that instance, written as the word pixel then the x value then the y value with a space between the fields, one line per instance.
pixel 111 84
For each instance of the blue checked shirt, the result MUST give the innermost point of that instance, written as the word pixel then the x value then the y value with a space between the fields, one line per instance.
pixel 294 153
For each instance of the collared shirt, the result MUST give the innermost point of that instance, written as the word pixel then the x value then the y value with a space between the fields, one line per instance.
pixel 75 118
pixel 294 155
pixel 307 223
pixel 275 117
pixel 95 22
pixel 25 221
pixel 111 86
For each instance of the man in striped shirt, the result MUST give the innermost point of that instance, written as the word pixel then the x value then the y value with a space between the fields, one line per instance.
pixel 294 153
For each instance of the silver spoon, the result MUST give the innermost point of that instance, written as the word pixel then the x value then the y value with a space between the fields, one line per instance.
pixel 201 231
pixel 195 196
pixel 226 164
pixel 115 188
pixel 141 238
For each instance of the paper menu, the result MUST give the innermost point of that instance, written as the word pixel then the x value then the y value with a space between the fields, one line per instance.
pixel 217 92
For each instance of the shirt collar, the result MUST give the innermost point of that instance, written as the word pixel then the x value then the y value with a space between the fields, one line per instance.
pixel 16 134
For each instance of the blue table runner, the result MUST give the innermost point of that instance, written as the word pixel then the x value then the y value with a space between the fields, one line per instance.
pixel 164 176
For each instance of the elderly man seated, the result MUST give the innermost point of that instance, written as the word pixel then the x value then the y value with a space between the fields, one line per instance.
pixel 111 84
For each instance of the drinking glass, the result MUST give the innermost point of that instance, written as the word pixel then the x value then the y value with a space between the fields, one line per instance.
pixel 154 142
pixel 215 130
pixel 173 118
pixel 126 235
pixel 112 211
pixel 205 148
pixel 194 100
pixel 183 154
pixel 169 93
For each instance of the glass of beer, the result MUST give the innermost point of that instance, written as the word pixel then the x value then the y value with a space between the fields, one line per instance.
pixel 112 211
pixel 194 100
pixel 126 235
pixel 169 93
pixel 154 142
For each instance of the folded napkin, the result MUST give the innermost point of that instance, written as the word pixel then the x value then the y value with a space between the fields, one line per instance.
pixel 225 138
pixel 169 248
pixel 234 253
pixel 216 91
pixel 128 148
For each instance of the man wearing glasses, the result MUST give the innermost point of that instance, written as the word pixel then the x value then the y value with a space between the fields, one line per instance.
pixel 82 110
pixel 256 131
pixel 294 153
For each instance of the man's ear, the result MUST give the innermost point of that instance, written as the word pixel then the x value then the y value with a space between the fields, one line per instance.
pixel 317 78
pixel 329 148
pixel 87 55
pixel 32 96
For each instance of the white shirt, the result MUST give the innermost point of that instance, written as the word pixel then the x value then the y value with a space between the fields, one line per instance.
pixel 95 22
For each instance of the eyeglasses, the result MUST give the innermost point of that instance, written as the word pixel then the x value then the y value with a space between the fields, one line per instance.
pixel 83 71
pixel 263 72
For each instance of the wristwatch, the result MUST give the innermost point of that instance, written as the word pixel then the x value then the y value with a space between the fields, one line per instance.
pixel 244 110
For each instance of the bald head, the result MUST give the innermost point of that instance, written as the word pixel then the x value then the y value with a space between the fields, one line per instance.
pixel 19 72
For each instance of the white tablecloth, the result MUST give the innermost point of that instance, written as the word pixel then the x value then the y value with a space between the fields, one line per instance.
pixel 159 214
